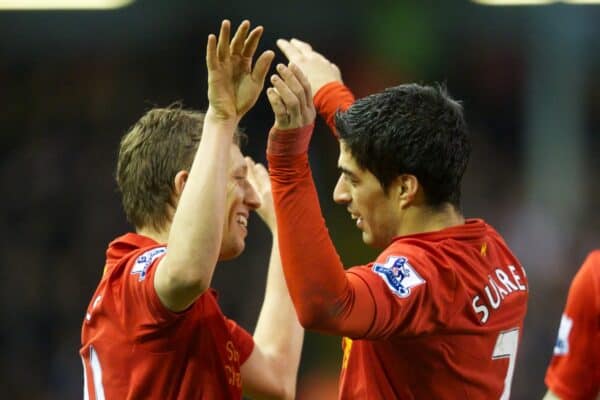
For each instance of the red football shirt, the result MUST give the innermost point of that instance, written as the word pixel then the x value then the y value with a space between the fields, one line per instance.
pixel 135 348
pixel 574 372
pixel 438 315
pixel 449 314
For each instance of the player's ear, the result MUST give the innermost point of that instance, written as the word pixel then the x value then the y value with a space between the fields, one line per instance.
pixel 179 183
pixel 406 187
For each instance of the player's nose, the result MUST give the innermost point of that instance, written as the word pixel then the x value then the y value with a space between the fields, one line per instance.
pixel 341 194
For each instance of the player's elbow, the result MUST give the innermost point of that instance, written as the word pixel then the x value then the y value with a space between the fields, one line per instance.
pixel 307 320
pixel 284 386
pixel 285 390
pixel 178 276
pixel 177 291
pixel 313 317
pixel 186 281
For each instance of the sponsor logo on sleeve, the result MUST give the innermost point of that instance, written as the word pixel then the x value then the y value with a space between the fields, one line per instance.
pixel 561 347
pixel 399 275
pixel 145 260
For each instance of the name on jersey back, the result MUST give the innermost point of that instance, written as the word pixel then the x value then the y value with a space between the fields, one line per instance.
pixel 500 285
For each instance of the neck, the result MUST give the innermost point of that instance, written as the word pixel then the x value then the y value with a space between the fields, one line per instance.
pixel 423 219
pixel 161 236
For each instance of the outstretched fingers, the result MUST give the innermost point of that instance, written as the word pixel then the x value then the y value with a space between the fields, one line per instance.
pixel 237 43
pixel 262 65
pixel 301 46
pixel 212 61
pixel 289 98
pixel 251 43
pixel 223 41
pixel 289 50
pixel 279 109
pixel 304 82
pixel 293 84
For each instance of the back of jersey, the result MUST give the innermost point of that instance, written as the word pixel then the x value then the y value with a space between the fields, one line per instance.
pixel 489 319
pixel 450 311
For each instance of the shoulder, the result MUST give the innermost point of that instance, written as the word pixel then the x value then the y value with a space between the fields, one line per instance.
pixel 589 272
pixel 401 268
pixel 424 257
pixel 591 265
pixel 141 260
pixel 136 263
pixel 586 283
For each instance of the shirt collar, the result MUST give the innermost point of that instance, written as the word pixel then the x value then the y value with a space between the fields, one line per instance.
pixel 471 229
pixel 126 244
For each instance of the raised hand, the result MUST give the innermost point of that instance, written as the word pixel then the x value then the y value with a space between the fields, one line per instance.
pixel 291 98
pixel 259 179
pixel 233 85
pixel 317 68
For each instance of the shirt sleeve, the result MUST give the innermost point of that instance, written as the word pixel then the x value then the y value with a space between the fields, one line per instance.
pixel 411 296
pixel 330 99
pixel 242 338
pixel 574 371
pixel 141 306
pixel 325 297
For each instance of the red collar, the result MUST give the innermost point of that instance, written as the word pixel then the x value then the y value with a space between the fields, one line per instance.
pixel 126 244
pixel 471 229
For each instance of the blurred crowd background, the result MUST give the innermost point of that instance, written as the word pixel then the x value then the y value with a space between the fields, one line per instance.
pixel 71 83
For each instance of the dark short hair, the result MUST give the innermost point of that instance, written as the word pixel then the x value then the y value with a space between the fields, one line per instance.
pixel 161 143
pixel 410 129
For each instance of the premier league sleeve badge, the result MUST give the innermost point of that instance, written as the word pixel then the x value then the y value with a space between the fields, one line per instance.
pixel 398 275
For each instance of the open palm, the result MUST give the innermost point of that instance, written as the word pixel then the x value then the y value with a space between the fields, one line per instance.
pixel 233 86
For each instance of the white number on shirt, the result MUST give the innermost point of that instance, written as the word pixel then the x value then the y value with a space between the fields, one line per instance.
pixel 506 347
pixel 96 376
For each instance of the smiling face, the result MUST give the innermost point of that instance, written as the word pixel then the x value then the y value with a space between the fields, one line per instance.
pixel 377 214
pixel 241 199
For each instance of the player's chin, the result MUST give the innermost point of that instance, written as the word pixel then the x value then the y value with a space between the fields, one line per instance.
pixel 367 239
pixel 233 250
pixel 372 241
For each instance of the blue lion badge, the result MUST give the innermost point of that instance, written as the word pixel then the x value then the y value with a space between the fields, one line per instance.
pixel 145 260
pixel 399 275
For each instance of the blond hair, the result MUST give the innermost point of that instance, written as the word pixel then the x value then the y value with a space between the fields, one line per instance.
pixel 159 145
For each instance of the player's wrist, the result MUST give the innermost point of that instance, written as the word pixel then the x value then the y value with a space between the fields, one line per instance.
pixel 289 141
pixel 220 118
pixel 320 84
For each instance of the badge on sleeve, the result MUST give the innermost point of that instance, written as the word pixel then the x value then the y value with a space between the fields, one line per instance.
pixel 145 260
pixel 561 347
pixel 399 275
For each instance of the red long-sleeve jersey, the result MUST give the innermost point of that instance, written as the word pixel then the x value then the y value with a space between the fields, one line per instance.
pixel 437 315
pixel 132 347
pixel 574 372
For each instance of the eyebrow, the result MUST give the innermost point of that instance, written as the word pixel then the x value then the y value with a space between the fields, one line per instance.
pixel 347 172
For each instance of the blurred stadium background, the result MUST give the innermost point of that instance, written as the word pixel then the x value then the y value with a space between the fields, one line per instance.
pixel 71 82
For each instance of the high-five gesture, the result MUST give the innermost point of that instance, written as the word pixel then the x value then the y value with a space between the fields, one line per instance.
pixel 233 85
pixel 291 98
pixel 318 69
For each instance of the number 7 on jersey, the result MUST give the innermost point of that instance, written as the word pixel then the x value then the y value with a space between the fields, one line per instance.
pixel 506 347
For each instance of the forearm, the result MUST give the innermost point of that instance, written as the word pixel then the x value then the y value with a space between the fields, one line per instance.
pixel 325 298
pixel 278 333
pixel 197 228
pixel 313 270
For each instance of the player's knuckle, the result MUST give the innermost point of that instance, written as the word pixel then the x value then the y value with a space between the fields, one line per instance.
pixel 293 103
